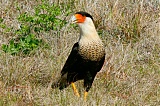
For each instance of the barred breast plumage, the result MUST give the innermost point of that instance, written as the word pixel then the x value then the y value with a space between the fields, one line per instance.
pixel 93 50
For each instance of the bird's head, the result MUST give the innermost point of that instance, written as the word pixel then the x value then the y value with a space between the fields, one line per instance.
pixel 81 17
pixel 88 31
pixel 85 22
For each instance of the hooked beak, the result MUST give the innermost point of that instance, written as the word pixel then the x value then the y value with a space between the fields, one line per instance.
pixel 73 19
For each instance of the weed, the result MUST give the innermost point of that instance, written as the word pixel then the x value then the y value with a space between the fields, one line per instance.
pixel 44 19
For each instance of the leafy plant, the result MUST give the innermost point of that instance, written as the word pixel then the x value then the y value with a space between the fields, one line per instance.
pixel 24 45
pixel 44 19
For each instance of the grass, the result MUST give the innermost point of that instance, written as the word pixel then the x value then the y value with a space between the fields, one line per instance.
pixel 131 73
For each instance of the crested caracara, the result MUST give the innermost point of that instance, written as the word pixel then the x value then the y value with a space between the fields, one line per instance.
pixel 86 58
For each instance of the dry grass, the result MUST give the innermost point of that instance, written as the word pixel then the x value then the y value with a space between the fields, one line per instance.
pixel 130 30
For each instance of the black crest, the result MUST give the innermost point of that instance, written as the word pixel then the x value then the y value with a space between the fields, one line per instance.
pixel 84 14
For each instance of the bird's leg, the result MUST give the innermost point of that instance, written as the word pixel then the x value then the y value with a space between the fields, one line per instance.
pixel 88 83
pixel 85 95
pixel 74 89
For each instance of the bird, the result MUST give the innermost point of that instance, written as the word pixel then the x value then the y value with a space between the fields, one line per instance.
pixel 86 57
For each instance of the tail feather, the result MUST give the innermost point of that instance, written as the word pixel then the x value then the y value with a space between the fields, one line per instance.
pixel 55 85
pixel 61 83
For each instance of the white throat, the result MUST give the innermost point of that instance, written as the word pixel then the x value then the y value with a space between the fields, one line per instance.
pixel 88 32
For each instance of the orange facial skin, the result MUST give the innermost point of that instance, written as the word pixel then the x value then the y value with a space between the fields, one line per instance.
pixel 80 18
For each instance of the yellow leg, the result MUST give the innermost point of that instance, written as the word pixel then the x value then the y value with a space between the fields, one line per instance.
pixel 75 90
pixel 85 95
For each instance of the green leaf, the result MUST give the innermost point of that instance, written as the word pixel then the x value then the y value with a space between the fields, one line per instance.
pixel 1 20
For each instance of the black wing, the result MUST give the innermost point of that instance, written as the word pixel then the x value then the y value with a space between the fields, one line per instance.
pixel 72 59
